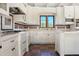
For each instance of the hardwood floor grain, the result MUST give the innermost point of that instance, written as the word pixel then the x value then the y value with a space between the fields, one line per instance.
pixel 41 50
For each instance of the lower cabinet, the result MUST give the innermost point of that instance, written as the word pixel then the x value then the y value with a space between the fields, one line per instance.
pixel 9 46
pixel 42 37
pixel 14 44
pixel 23 43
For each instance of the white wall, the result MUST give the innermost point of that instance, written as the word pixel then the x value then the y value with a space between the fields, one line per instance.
pixel 33 13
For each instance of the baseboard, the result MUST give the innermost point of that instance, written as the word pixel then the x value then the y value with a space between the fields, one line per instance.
pixel 71 55
pixel 43 43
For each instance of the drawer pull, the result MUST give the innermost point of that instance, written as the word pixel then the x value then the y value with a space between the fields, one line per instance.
pixel 0 47
pixel 13 49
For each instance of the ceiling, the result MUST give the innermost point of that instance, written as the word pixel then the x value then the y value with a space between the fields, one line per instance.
pixel 51 4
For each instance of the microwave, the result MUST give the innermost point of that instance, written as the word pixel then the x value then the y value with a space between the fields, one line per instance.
pixel 6 22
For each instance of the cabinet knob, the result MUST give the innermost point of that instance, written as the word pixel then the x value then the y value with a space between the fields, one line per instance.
pixel 0 47
pixel 13 49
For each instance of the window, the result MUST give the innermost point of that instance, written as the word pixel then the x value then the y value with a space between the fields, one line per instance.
pixel 47 21
pixel 43 21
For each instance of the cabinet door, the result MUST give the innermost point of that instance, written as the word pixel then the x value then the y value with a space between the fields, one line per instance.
pixel 76 12
pixel 69 11
pixel 43 37
pixel 27 41
pixel 60 16
pixel 71 41
pixel 6 48
pixel 34 36
pixel 51 37
pixel 9 45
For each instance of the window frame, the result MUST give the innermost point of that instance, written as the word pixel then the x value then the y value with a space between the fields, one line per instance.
pixel 47 21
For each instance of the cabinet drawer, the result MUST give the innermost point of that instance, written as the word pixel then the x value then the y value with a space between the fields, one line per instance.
pixel 6 52
pixel 14 51
pixel 8 44
pixel 11 50
pixel 5 45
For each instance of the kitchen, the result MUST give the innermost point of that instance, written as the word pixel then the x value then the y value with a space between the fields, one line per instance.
pixel 28 28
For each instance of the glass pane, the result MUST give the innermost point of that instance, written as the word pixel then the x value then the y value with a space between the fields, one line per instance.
pixel 43 21
pixel 50 21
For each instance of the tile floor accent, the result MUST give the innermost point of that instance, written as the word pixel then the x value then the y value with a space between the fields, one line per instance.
pixel 41 50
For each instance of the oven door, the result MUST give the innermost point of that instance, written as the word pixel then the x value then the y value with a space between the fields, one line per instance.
pixel 6 23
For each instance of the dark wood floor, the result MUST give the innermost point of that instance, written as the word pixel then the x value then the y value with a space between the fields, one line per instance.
pixel 40 49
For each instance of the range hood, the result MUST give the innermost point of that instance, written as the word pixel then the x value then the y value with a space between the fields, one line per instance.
pixel 15 10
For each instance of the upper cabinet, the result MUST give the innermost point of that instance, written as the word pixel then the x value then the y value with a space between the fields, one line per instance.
pixel 76 12
pixel 60 15
pixel 4 9
pixel 77 17
pixel 69 11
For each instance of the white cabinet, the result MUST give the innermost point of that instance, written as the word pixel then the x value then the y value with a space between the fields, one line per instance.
pixel 77 17
pixel 69 11
pixel 14 44
pixel 42 37
pixel 19 18
pixel 27 41
pixel 60 15
pixel 9 47
pixel 33 37
pixel 76 12
pixel 66 43
pixel 23 43
pixel 51 37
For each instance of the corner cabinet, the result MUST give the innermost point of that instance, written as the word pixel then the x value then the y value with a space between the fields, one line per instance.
pixel 69 11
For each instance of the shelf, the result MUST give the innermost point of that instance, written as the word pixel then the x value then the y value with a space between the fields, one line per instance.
pixel 19 22
pixel 70 23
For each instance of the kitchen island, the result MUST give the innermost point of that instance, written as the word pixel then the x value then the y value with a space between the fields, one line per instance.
pixel 67 42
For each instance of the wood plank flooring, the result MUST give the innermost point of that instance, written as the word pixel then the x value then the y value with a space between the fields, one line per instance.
pixel 41 50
